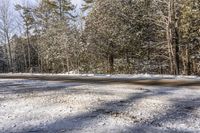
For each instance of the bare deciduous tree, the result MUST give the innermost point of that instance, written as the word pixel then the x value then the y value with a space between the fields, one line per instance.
pixel 6 27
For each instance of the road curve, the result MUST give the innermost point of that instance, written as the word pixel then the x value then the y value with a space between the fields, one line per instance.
pixel 105 80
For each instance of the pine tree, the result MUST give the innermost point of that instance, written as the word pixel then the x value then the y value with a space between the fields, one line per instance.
pixel 190 33
pixel 28 20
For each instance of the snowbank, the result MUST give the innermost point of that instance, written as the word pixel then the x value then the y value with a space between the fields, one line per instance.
pixel 106 76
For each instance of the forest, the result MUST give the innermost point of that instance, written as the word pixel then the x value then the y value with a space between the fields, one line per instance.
pixel 103 36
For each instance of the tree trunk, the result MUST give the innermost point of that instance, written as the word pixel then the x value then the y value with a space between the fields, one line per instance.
pixel 60 9
pixel 111 58
pixel 25 61
pixel 111 63
pixel 29 54
pixel 169 38
pixel 9 52
pixel 29 49
pixel 176 39
pixel 67 59
pixel 187 60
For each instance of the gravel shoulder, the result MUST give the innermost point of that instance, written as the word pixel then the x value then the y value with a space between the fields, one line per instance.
pixel 41 106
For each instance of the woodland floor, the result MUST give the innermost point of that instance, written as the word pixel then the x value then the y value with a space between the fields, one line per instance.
pixel 41 106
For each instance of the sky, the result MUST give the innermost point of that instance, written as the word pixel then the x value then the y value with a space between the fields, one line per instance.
pixel 75 2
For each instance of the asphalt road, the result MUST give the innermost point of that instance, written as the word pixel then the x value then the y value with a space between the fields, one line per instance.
pixel 107 80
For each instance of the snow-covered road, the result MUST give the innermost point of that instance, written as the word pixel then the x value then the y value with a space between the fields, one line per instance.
pixel 28 106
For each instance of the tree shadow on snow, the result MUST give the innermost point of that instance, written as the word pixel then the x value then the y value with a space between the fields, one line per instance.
pixel 180 110
pixel 75 123
pixel 20 88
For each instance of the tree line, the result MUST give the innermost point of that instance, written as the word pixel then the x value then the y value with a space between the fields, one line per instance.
pixel 106 36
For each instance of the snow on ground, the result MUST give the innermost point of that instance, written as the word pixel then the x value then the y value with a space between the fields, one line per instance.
pixel 116 76
pixel 28 106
